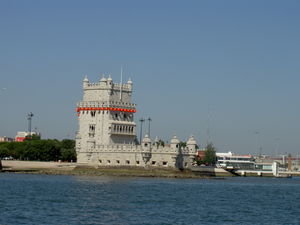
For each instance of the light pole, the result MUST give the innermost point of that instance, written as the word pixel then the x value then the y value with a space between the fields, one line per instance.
pixel 257 142
pixel 29 118
pixel 142 120
pixel 149 121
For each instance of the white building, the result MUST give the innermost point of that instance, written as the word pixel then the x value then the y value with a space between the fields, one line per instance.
pixel 21 135
pixel 107 131
pixel 6 139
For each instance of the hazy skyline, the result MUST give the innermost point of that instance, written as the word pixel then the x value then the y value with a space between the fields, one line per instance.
pixel 224 71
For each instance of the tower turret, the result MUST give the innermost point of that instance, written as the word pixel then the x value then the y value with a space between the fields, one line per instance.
pixel 191 144
pixel 156 141
pixel 85 81
pixel 109 81
pixel 130 84
pixel 146 142
pixel 103 79
pixel 174 143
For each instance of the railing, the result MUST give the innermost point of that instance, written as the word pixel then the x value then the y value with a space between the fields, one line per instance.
pixel 122 133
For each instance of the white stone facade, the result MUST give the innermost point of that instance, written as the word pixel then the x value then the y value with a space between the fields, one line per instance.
pixel 107 131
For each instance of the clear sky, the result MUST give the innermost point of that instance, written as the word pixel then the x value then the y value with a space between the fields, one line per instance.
pixel 224 71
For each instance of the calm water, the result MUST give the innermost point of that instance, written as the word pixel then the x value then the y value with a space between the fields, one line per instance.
pixel 45 199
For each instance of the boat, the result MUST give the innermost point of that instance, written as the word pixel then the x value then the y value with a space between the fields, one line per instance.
pixel 283 176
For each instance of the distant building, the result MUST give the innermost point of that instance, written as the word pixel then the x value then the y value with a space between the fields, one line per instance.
pixel 201 154
pixel 6 139
pixel 230 160
pixel 285 161
pixel 21 135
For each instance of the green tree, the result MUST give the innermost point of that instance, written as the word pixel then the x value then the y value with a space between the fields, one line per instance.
pixel 68 155
pixel 67 144
pixel 210 154
pixel 4 152
pixel 161 143
pixel 41 150
pixel 182 144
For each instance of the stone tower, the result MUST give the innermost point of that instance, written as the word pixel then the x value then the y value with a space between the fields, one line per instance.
pixel 105 115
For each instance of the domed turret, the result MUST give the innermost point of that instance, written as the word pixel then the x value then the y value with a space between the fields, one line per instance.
pixel 174 143
pixel 85 81
pixel 109 79
pixel 191 141
pixel 129 83
pixel 174 140
pixel 156 140
pixel 103 79
pixel 146 143
pixel 146 139
pixel 191 144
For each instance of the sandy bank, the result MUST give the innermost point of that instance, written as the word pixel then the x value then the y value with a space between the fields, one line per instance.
pixel 33 165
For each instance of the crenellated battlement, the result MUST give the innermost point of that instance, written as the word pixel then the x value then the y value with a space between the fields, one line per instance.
pixel 126 148
pixel 113 104
pixel 106 86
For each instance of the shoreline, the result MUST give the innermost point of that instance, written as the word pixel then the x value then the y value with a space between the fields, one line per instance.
pixel 74 169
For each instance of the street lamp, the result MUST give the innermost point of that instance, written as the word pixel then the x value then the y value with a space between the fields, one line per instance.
pixel 142 120
pixel 149 121
pixel 29 118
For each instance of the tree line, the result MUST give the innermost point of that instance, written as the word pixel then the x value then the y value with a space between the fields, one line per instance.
pixel 39 150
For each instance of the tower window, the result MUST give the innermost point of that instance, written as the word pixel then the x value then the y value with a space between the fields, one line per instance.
pixel 92 127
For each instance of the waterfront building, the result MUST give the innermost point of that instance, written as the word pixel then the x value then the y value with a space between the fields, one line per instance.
pixel 230 160
pixel 22 135
pixel 107 132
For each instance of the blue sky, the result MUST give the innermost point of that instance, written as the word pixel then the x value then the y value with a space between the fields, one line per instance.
pixel 224 71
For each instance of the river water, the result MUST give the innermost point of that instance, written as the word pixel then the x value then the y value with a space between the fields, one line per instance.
pixel 48 199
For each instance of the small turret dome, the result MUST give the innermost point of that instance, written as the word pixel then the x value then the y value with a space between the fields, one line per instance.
pixel 109 78
pixel 129 81
pixel 103 79
pixel 85 79
pixel 191 141
pixel 146 139
pixel 174 140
